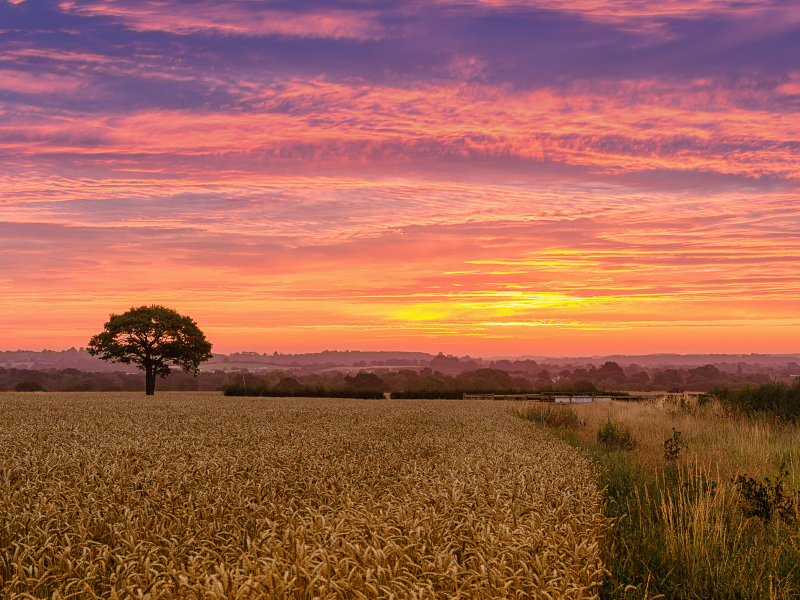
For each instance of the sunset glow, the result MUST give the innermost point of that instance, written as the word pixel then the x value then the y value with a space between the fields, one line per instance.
pixel 505 177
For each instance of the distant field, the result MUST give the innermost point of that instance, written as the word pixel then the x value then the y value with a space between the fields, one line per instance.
pixel 195 495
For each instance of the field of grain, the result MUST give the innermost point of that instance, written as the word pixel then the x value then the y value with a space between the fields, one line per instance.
pixel 195 495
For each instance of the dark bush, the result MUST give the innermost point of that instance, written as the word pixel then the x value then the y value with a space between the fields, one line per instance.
pixel 673 445
pixel 768 498
pixel 29 386
pixel 304 391
pixel 612 437
pixel 83 386
pixel 365 381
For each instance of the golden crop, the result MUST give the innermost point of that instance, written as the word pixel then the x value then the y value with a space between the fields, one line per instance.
pixel 202 496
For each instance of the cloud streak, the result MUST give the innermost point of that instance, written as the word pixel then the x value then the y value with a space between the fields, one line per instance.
pixel 306 126
pixel 231 18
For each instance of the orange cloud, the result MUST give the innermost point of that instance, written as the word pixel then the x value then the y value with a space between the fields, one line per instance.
pixel 662 273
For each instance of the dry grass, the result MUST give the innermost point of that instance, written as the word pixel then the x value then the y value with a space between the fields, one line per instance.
pixel 201 496
pixel 723 445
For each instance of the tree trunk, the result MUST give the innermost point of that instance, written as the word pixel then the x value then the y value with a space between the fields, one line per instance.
pixel 149 380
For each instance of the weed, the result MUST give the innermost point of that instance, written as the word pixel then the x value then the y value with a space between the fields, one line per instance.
pixel 673 445
pixel 679 404
pixel 768 498
pixel 611 436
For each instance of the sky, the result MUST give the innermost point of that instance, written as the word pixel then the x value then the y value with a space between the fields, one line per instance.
pixel 483 177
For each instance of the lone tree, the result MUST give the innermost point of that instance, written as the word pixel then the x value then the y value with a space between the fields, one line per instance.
pixel 152 337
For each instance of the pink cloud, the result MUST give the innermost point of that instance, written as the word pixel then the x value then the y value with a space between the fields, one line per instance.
pixel 606 127
pixel 627 9
pixel 238 18
pixel 39 83
pixel 649 16
pixel 52 54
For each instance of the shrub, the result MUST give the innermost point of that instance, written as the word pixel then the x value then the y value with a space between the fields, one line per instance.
pixel 767 498
pixel 679 404
pixel 673 445
pixel 29 386
pixel 775 398
pixel 612 436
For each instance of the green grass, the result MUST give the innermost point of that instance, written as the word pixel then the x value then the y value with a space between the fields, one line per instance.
pixel 681 533
pixel 556 417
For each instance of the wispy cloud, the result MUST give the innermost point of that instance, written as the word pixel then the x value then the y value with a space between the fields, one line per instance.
pixel 232 18
pixel 311 126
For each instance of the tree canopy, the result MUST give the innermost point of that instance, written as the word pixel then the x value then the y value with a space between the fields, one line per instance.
pixel 152 338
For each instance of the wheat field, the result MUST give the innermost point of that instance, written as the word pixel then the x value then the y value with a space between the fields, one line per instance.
pixel 194 495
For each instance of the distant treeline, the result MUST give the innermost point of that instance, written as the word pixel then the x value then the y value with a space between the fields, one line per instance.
pixel 779 399
pixel 430 383
pixel 402 382
pixel 74 380
pixel 405 383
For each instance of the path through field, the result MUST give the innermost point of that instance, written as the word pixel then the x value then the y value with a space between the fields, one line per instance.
pixel 193 495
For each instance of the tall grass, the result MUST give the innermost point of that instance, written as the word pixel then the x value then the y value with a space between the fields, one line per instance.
pixel 776 399
pixel 679 528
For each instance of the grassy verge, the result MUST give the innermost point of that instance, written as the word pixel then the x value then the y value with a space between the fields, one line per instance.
pixel 685 524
